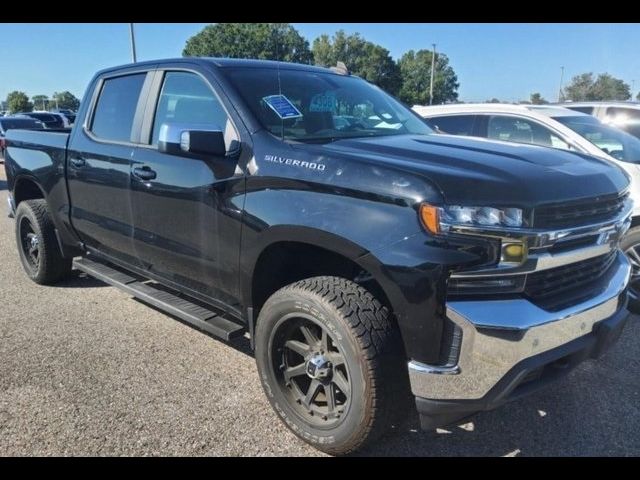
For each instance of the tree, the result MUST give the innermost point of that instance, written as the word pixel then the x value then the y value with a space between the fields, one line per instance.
pixel 604 87
pixel 415 71
pixel 65 100
pixel 536 99
pixel 493 100
pixel 18 102
pixel 363 58
pixel 638 96
pixel 267 41
pixel 40 101
pixel 607 87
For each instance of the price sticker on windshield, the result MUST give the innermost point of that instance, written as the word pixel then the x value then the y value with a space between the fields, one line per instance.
pixel 324 102
pixel 282 106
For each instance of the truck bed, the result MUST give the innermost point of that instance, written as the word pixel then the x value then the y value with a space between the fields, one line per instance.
pixel 36 152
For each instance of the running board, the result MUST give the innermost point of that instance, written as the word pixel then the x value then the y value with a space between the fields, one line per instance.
pixel 199 316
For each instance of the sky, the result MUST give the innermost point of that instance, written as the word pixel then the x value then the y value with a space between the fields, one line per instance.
pixel 505 61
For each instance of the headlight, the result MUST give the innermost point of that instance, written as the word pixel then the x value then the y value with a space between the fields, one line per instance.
pixel 439 219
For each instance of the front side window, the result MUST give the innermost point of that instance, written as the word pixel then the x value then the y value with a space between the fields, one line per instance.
pixel 187 98
pixel 317 107
pixel 620 145
pixel 520 130
pixel 116 107
pixel 453 124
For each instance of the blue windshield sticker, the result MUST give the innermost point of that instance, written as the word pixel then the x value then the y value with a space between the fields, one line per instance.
pixel 324 102
pixel 282 106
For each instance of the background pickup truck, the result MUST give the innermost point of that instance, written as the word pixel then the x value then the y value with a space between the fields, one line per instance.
pixel 365 257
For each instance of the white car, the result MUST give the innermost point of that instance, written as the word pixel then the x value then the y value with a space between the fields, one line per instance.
pixel 556 127
pixel 624 115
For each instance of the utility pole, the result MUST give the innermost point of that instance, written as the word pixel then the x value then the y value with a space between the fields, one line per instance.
pixel 433 66
pixel 560 89
pixel 633 87
pixel 133 42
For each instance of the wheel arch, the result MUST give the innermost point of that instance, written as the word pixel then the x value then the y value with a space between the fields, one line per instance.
pixel 283 258
pixel 26 187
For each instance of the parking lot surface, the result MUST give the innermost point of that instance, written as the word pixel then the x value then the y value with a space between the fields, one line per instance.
pixel 87 370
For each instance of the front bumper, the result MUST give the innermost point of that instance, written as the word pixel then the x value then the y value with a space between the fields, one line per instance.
pixel 511 343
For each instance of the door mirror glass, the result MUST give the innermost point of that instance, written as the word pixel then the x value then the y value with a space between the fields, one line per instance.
pixel 191 139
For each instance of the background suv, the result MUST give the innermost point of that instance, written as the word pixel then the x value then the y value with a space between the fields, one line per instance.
pixel 624 115
pixel 50 120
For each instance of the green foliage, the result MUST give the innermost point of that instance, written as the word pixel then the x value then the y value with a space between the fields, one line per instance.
pixel 266 41
pixel 363 58
pixel 18 102
pixel 536 99
pixel 493 100
pixel 584 87
pixel 40 102
pixel 415 71
pixel 65 100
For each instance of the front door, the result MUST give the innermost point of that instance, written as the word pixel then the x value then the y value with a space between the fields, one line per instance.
pixel 185 209
pixel 99 165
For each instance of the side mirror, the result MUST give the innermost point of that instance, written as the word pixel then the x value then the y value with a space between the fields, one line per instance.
pixel 191 139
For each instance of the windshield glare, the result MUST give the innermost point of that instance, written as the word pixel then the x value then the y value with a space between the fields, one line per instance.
pixel 620 145
pixel 310 106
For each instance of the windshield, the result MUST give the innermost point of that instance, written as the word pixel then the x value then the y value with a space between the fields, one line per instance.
pixel 620 145
pixel 309 106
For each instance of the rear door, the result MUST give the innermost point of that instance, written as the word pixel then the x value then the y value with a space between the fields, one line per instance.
pixel 186 209
pixel 99 162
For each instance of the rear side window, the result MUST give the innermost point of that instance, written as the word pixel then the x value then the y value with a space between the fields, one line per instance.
pixel 186 98
pixel 116 107
pixel 587 110
pixel 520 130
pixel 453 124
pixel 628 119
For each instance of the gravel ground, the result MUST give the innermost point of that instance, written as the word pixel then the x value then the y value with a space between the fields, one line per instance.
pixel 86 370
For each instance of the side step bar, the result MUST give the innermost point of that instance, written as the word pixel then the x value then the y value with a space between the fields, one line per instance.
pixel 201 317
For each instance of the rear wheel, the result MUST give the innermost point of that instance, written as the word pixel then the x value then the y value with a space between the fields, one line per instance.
pixel 331 363
pixel 37 244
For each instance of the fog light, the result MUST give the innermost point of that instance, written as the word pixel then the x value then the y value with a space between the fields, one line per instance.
pixel 513 253
pixel 514 250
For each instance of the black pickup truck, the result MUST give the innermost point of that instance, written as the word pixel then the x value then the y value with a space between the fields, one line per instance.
pixel 365 257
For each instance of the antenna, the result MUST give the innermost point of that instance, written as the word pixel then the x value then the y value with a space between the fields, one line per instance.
pixel 340 69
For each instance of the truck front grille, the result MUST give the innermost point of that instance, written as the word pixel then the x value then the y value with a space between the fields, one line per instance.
pixel 546 285
pixel 594 210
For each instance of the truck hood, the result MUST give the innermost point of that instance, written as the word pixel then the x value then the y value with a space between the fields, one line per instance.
pixel 485 172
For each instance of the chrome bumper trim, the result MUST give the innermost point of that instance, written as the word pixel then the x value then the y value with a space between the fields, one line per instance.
pixel 486 356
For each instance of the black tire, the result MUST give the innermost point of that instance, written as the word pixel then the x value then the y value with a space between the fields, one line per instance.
pixel 357 329
pixel 630 245
pixel 44 265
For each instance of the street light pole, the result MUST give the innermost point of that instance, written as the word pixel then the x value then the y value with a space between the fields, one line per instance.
pixel 433 66
pixel 133 42
pixel 633 87
pixel 560 89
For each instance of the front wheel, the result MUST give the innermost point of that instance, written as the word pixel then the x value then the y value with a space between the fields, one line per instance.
pixel 331 363
pixel 630 245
